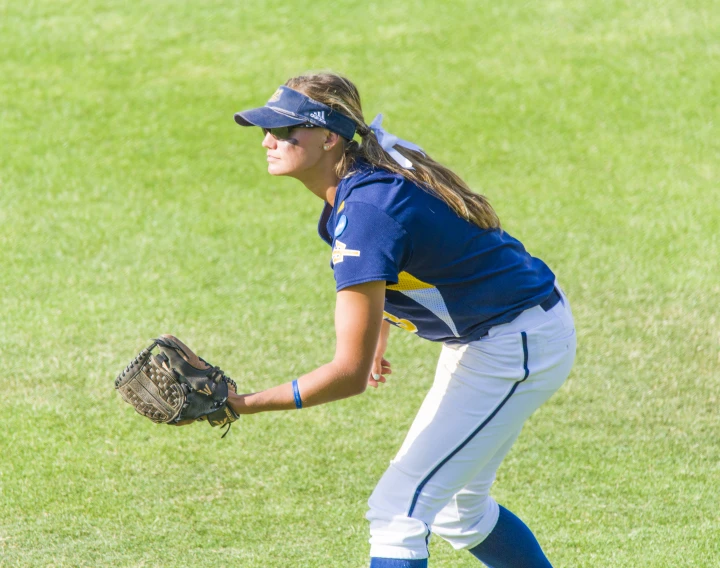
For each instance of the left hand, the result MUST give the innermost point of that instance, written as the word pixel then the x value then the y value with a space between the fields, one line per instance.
pixel 176 386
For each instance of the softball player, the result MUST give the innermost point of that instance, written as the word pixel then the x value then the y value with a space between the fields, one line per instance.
pixel 413 247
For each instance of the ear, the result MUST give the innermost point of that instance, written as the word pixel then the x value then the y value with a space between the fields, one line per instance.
pixel 331 139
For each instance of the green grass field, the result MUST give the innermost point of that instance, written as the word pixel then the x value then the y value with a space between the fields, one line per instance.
pixel 132 205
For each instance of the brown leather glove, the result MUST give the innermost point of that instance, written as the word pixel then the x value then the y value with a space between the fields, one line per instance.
pixel 176 386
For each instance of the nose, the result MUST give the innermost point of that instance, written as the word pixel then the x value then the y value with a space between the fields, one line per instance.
pixel 269 142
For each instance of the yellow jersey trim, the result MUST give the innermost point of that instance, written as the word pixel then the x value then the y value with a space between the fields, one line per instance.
pixel 407 281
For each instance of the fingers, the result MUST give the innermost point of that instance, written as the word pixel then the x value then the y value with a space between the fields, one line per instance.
pixel 375 380
pixel 379 370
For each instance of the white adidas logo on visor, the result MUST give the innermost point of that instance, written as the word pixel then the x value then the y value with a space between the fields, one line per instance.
pixel 318 115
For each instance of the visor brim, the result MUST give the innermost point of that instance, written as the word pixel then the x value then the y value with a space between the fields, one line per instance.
pixel 265 117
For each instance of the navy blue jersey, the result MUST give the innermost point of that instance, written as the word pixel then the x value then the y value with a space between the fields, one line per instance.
pixel 447 279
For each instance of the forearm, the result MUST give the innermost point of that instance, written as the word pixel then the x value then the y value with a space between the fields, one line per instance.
pixel 325 384
pixel 384 334
pixel 358 318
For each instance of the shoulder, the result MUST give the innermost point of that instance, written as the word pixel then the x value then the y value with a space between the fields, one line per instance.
pixel 368 209
pixel 378 188
pixel 363 175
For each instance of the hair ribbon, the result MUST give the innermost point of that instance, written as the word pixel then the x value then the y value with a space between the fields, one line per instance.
pixel 388 142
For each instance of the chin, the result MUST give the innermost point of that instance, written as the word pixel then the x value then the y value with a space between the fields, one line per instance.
pixel 276 169
pixel 273 170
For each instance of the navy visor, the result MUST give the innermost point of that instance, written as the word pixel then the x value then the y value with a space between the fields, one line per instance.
pixel 288 107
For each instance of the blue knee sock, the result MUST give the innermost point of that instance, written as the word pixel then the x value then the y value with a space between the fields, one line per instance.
pixel 398 563
pixel 511 544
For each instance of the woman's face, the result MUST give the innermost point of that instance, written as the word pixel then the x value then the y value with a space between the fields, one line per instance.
pixel 298 155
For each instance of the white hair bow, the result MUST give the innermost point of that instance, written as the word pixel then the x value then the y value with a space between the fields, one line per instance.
pixel 388 142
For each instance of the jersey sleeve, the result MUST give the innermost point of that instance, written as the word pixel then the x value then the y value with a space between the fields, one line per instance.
pixel 368 245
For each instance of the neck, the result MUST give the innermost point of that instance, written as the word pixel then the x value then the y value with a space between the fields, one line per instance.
pixel 322 181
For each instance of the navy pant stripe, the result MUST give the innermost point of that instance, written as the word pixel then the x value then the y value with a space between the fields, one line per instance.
pixel 525 355
pixel 467 440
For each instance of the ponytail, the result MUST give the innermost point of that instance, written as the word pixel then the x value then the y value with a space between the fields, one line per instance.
pixel 341 95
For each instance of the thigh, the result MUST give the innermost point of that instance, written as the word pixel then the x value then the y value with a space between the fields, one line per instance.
pixel 424 476
pixel 459 428
pixel 482 395
pixel 471 514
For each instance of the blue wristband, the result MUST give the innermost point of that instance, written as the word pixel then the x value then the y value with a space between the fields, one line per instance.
pixel 296 394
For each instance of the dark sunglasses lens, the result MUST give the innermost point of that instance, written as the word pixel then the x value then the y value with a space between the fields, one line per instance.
pixel 281 133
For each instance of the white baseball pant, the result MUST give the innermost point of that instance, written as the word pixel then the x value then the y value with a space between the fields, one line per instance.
pixel 439 482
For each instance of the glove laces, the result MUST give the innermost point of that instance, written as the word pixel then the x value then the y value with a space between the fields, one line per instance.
pixel 215 373
pixel 229 425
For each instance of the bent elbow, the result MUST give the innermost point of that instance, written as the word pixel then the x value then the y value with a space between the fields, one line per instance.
pixel 354 378
pixel 355 383
pixel 360 385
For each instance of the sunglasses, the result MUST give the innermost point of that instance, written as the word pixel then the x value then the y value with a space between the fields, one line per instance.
pixel 283 132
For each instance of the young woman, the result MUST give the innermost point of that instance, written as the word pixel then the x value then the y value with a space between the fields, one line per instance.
pixel 413 247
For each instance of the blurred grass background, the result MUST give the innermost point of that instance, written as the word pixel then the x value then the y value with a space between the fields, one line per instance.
pixel 131 205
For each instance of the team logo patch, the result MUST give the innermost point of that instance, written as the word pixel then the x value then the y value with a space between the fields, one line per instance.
pixel 340 251
pixel 341 224
pixel 276 96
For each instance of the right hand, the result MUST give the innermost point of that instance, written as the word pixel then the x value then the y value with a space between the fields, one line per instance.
pixel 381 366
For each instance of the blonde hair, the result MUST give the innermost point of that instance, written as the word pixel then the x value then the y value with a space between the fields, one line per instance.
pixel 341 95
